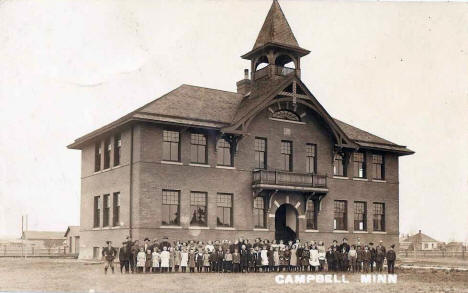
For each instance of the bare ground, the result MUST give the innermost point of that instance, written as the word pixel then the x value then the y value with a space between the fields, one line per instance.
pixel 57 275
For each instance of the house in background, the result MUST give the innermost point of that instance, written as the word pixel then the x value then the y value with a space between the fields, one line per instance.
pixel 420 241
pixel 72 236
pixel 455 247
pixel 44 239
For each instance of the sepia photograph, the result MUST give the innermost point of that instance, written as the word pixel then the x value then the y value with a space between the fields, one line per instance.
pixel 233 146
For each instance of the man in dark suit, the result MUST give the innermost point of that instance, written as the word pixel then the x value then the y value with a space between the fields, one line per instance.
pixel 344 245
pixel 108 254
pixel 379 256
pixel 391 257
pixel 124 257
pixel 373 255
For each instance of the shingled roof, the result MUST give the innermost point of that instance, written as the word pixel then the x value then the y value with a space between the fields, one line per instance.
pixel 211 108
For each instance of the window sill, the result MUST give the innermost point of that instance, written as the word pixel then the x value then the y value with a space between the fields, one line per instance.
pixel 340 231
pixel 360 232
pixel 378 180
pixel 116 167
pixel 198 228
pixel 106 170
pixel 360 179
pixel 379 232
pixel 116 227
pixel 106 228
pixel 341 177
pixel 170 227
pixel 172 163
pixel 226 167
pixel 311 230
pixel 261 229
pixel 96 229
pixel 225 228
pixel 199 165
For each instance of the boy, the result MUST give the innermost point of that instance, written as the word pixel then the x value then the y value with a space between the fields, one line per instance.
pixel 124 255
pixel 391 257
pixel 236 260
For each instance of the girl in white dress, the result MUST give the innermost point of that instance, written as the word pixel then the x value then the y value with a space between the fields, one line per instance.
pixel 314 258
pixel 141 260
pixel 165 256
pixel 156 258
pixel 264 257
pixel 184 260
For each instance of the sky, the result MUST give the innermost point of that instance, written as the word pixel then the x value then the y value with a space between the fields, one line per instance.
pixel 398 70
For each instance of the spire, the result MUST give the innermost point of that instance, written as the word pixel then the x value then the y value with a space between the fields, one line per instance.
pixel 276 32
pixel 276 29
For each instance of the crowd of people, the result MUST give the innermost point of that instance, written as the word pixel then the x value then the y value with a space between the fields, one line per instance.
pixel 242 256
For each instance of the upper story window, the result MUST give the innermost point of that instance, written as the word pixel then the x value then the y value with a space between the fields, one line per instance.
pixel 223 153
pixel 378 167
pixel 170 207
pixel 97 212
pixel 260 153
pixel 106 214
pixel 339 165
pixel 359 165
pixel 107 152
pixel 171 145
pixel 97 157
pixel 198 207
pixel 286 155
pixel 311 158
pixel 379 216
pixel 117 147
pixel 286 115
pixel 198 149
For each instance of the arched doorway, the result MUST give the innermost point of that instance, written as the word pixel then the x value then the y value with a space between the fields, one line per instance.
pixel 286 223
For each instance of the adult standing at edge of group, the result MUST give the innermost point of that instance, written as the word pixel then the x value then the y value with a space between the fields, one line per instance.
pixel 109 253
pixel 379 256
pixel 391 257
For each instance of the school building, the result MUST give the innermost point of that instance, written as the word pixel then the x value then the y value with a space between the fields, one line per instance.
pixel 266 161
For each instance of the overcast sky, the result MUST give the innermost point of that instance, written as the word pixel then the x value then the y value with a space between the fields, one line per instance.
pixel 398 70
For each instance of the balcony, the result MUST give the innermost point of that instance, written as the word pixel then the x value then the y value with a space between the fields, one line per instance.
pixel 283 180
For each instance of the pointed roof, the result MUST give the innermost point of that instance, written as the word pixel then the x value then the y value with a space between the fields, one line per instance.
pixel 276 31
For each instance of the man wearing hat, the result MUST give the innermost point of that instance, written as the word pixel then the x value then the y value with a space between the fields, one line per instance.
pixel 391 257
pixel 108 254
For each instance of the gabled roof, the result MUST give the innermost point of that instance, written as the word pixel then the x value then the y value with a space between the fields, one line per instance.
pixel 42 235
pixel 74 230
pixel 420 237
pixel 276 31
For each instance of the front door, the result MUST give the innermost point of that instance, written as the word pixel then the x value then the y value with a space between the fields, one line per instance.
pixel 286 223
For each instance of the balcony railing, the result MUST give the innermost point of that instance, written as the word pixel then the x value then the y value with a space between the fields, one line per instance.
pixel 273 69
pixel 284 178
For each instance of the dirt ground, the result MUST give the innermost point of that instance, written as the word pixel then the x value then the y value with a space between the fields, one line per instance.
pixel 56 275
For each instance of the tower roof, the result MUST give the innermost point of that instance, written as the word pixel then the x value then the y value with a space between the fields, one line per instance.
pixel 276 31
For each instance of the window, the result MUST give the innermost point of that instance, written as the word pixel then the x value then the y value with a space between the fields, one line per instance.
pixel 97 211
pixel 379 216
pixel 107 152
pixel 311 162
pixel 224 209
pixel 198 207
pixel 170 207
pixel 260 153
pixel 116 209
pixel 259 212
pixel 378 167
pixel 171 146
pixel 286 155
pixel 96 253
pixel 198 149
pixel 360 216
pixel 311 215
pixel 339 165
pixel 426 245
pixel 286 115
pixel 106 212
pixel 223 151
pixel 97 157
pixel 340 222
pixel 359 165
pixel 117 146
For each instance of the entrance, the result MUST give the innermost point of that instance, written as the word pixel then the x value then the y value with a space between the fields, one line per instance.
pixel 286 223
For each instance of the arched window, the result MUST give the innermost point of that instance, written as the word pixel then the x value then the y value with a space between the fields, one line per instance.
pixel 286 115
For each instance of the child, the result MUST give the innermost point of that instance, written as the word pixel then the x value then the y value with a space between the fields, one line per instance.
pixel 366 257
pixel 330 256
pixel 184 259
pixel 148 263
pixel 192 260
pixel 293 258
pixel 321 251
pixel 391 257
pixel 165 256
pixel 264 256
pixel 206 261
pixel 344 259
pixel 271 261
pixel 156 258
pixel 236 260
pixel 276 259
pixel 314 259
pixel 228 261
pixel 258 258
pixel 177 257
pixel 220 259
pixel 141 260
pixel 252 260
pixel 305 258
pixel 352 256
pixel 213 260
pixel 199 260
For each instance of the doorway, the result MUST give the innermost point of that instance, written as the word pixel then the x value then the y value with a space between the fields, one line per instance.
pixel 286 223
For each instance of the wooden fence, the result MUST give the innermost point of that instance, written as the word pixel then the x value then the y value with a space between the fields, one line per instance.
pixel 29 251
pixel 432 253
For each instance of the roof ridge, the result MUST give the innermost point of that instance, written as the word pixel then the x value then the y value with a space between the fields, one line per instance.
pixel 208 88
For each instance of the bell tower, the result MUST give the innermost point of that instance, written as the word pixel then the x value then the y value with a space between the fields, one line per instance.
pixel 276 53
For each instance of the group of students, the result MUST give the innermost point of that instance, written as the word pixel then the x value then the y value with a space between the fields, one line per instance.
pixel 242 256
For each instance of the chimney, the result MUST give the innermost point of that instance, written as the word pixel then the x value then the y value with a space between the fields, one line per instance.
pixel 419 231
pixel 243 86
